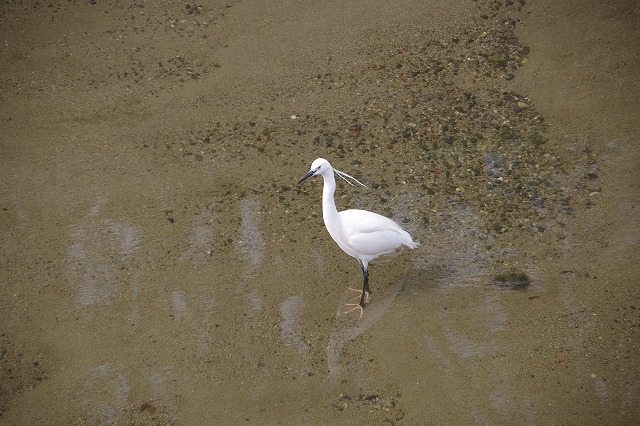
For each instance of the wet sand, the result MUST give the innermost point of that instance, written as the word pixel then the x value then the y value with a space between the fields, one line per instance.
pixel 160 266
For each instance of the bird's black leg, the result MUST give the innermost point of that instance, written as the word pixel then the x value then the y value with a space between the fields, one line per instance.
pixel 364 298
pixel 364 294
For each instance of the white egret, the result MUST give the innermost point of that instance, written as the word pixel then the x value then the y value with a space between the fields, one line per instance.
pixel 359 233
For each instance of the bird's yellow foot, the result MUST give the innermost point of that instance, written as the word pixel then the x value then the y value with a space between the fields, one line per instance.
pixel 355 306
pixel 366 295
pixel 363 301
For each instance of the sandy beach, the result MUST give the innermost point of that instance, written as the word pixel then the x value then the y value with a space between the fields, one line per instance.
pixel 161 266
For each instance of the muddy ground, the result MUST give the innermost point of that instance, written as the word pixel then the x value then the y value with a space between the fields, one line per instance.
pixel 161 266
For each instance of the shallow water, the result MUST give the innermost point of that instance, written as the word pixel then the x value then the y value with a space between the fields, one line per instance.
pixel 161 266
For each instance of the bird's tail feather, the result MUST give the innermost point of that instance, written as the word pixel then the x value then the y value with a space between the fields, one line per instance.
pixel 414 244
pixel 408 241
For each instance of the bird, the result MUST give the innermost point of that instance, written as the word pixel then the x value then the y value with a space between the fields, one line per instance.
pixel 361 234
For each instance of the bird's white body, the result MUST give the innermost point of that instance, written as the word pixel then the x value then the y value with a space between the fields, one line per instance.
pixel 359 233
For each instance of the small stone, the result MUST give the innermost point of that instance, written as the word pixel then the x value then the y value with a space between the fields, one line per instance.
pixel 515 280
pixel 522 105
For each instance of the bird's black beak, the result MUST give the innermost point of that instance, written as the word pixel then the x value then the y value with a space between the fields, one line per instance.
pixel 305 177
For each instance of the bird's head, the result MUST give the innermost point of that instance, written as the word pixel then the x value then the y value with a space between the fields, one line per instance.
pixel 318 167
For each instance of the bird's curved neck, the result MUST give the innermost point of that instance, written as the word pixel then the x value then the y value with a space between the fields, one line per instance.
pixel 329 210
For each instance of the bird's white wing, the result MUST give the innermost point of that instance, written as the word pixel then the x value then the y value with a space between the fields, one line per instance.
pixel 372 234
pixel 363 221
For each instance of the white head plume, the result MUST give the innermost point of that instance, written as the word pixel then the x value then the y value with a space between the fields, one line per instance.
pixel 344 176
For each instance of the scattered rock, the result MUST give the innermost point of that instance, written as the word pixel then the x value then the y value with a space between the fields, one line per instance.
pixel 514 280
